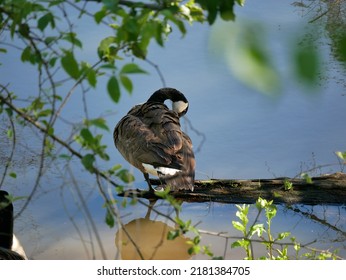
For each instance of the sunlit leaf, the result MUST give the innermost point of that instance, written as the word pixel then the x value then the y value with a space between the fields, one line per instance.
pixel 341 155
pixel 241 2
pixel 237 225
pixel 257 229
pixel 107 50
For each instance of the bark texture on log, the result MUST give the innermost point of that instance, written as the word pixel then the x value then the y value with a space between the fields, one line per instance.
pixel 326 189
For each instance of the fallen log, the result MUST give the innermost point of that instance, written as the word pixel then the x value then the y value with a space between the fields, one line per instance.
pixel 326 189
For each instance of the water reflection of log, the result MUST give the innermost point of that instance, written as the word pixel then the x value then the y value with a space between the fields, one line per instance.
pixel 326 189
pixel 151 241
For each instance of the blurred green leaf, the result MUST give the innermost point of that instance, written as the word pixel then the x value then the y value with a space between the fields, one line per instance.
pixel 87 135
pixel 125 176
pixel 46 19
pixel 341 155
pixel 88 162
pixel 113 89
pixel 132 68
pixel 226 10
pixel 127 83
pixel 109 219
pixel 72 38
pixel 307 64
pixel 98 122
pixel 91 77
pixel 107 49
pixel 247 56
pixel 173 234
pixel 70 65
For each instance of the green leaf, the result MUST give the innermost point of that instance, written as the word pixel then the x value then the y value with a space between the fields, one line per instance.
pixel 113 89
pixel 10 133
pixel 307 178
pixel 72 38
pixel 109 219
pixel 226 10
pixel 111 5
pixel 26 54
pixel 91 77
pixel 99 122
pixel 237 225
pixel 87 135
pixel 13 175
pixel 283 235
pixel 240 243
pixel 107 49
pixel 99 16
pixel 270 212
pixel 341 155
pixel 241 2
pixel 127 83
pixel 70 65
pixel 132 68
pixel 43 21
pixel 88 162
pixel 257 229
pixel 125 176
pixel 307 63
pixel 173 234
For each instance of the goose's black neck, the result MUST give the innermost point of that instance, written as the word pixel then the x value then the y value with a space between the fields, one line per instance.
pixel 163 94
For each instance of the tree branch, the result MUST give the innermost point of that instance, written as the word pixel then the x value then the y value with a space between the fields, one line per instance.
pixel 47 131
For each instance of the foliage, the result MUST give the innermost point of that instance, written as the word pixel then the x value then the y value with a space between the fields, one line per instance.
pixel 275 247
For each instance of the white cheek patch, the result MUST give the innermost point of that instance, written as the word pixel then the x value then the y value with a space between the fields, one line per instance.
pixel 179 106
pixel 160 170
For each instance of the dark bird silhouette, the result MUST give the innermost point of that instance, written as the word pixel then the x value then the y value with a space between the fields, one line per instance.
pixel 7 238
pixel 150 138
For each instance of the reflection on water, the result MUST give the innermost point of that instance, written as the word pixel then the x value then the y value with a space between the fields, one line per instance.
pixel 314 227
pixel 143 238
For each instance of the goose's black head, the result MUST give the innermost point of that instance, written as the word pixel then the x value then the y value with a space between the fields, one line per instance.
pixel 180 103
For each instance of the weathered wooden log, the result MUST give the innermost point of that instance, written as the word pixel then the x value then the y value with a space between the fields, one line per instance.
pixel 325 189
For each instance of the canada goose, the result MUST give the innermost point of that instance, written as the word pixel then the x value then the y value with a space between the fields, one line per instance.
pixel 8 241
pixel 150 138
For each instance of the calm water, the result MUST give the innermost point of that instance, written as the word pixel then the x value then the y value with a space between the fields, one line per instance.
pixel 247 135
